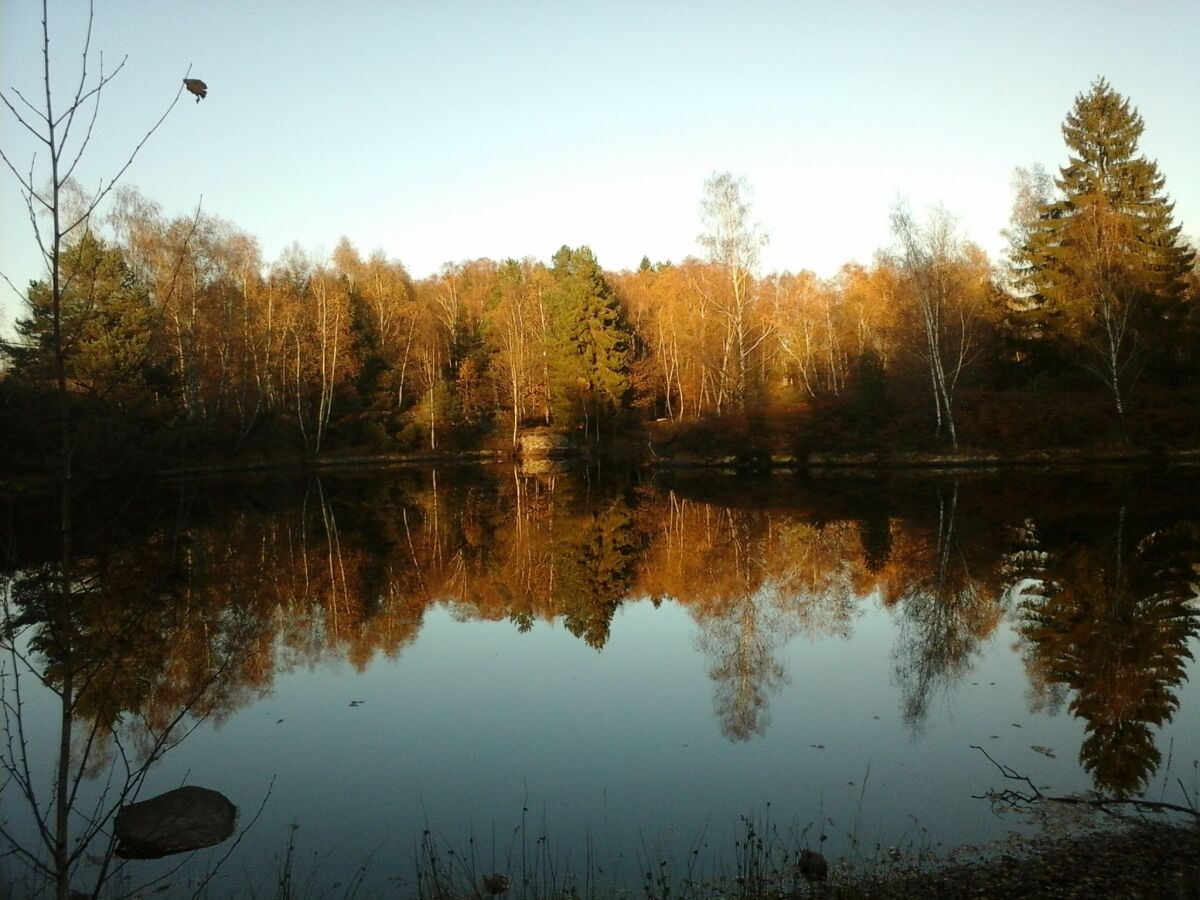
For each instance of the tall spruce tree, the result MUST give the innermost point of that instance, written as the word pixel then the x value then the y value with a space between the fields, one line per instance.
pixel 590 342
pixel 1104 264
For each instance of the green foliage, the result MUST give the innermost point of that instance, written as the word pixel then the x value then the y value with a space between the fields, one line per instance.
pixel 107 329
pixel 589 343
pixel 117 381
pixel 1107 250
pixel 595 558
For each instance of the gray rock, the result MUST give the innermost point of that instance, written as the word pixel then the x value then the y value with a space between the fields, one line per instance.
pixel 184 819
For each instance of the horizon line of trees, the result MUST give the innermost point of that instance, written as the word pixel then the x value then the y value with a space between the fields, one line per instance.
pixel 179 327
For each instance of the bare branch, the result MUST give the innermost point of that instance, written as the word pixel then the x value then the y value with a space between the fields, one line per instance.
pixel 100 85
pixel 32 194
pixel 87 47
pixel 87 136
pixel 28 857
pixel 26 186
pixel 1034 795
pixel 8 281
pixel 12 109
pixel 241 834
pixel 37 112
pixel 115 178
pixel 1186 796
pixel 20 770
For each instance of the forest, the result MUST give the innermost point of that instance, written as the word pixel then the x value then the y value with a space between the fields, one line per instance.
pixel 180 341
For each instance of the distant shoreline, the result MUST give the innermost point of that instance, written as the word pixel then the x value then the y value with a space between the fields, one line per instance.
pixel 823 461
pixel 938 460
pixel 838 462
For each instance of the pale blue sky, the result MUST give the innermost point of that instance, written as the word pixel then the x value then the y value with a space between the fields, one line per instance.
pixel 444 131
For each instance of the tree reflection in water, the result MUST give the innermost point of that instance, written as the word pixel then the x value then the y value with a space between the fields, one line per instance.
pixel 946 611
pixel 742 642
pixel 190 617
pixel 134 646
pixel 1112 623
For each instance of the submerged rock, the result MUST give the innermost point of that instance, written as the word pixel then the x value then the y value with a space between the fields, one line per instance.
pixel 495 884
pixel 184 819
pixel 812 865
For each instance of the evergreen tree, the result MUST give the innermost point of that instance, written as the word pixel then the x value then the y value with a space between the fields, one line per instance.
pixel 107 329
pixel 590 342
pixel 1104 263
pixel 1027 318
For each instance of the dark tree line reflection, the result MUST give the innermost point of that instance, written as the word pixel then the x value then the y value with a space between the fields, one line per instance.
pixel 200 600
pixel 1110 620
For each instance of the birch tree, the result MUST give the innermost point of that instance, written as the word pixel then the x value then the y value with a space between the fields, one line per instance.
pixel 944 294
pixel 733 241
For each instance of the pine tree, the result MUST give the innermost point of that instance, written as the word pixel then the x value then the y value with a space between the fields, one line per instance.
pixel 106 323
pixel 590 342
pixel 1104 262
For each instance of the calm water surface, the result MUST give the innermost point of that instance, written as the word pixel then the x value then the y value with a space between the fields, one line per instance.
pixel 628 665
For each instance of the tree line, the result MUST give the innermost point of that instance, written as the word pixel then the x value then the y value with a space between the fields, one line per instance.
pixel 176 332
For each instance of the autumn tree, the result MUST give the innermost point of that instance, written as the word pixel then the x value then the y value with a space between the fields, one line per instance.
pixel 513 329
pixel 387 297
pixel 215 321
pixel 733 242
pixel 462 295
pixel 810 333
pixel 945 282
pixel 679 368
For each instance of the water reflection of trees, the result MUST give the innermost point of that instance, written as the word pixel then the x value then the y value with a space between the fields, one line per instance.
pixel 743 617
pixel 348 570
pixel 753 579
pixel 946 610
pixel 1112 622
pixel 134 653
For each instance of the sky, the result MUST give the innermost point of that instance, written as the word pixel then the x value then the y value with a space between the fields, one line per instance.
pixel 442 131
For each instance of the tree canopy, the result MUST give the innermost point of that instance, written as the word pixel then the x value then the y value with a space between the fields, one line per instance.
pixel 1103 260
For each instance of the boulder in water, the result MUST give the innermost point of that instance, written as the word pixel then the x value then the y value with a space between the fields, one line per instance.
pixel 184 819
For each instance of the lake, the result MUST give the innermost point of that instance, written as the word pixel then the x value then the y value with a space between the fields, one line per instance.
pixel 609 671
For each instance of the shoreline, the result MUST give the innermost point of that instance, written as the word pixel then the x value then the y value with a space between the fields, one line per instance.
pixel 823 463
pixel 1141 859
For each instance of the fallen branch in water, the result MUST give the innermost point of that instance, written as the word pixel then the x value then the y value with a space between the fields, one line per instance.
pixel 1018 797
